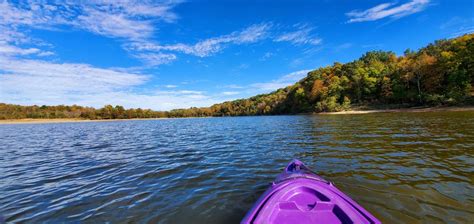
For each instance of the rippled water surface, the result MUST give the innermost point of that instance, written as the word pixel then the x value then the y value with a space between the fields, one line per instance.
pixel 402 167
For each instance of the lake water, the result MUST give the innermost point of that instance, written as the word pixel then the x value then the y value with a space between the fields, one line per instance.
pixel 402 167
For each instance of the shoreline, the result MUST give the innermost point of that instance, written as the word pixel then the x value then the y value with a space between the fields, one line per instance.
pixel 66 120
pixel 348 112
pixel 409 110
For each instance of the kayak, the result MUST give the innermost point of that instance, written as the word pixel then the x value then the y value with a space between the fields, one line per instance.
pixel 298 195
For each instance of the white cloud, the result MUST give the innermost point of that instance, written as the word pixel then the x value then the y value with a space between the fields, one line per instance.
pixel 189 92
pixel 34 80
pixel 251 34
pixel 299 37
pixel 281 82
pixel 38 82
pixel 230 93
pixel 264 87
pixel 8 35
pixel 209 46
pixel 6 49
pixel 125 19
pixel 232 86
pixel 13 15
pixel 128 20
pixel 11 50
pixel 46 53
pixel 171 86
pixel 156 9
pixel 113 25
pixel 390 10
pixel 31 75
pixel 154 59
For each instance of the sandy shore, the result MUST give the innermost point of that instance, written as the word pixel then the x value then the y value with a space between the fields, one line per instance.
pixel 64 120
pixel 427 109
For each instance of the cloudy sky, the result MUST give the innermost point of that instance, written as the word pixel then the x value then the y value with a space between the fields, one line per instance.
pixel 177 54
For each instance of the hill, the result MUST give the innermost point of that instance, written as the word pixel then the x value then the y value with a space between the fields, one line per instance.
pixel 441 73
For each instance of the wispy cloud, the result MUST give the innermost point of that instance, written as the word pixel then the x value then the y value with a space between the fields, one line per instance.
pixel 281 82
pixel 462 31
pixel 262 87
pixel 6 49
pixel 133 23
pixel 390 10
pixel 171 86
pixel 303 35
pixel 125 19
pixel 45 53
pixel 154 59
pixel 233 86
pixel 36 76
pixel 189 92
pixel 457 26
pixel 230 93
pixel 39 82
pixel 233 92
pixel 113 25
pixel 209 46
pixel 9 49
pixel 12 36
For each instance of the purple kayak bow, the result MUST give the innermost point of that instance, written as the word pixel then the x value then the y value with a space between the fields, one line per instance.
pixel 298 195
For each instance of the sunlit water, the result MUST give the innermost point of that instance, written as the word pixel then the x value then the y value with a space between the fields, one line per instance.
pixel 402 167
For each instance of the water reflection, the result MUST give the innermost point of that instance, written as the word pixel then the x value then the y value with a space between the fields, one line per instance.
pixel 403 167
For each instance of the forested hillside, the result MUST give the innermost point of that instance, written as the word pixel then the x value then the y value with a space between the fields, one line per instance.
pixel 441 73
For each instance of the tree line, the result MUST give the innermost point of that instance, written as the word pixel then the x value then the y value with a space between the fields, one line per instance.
pixel 11 111
pixel 441 73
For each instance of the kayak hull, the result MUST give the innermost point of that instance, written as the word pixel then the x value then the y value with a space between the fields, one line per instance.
pixel 300 196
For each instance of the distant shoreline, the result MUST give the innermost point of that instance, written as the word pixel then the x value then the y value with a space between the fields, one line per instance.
pixel 411 110
pixel 65 120
pixel 348 112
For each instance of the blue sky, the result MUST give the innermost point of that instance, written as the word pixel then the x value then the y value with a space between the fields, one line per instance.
pixel 177 54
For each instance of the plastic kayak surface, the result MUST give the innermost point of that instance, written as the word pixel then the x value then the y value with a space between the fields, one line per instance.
pixel 300 196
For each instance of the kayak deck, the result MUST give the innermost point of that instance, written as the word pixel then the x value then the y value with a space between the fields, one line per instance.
pixel 300 196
